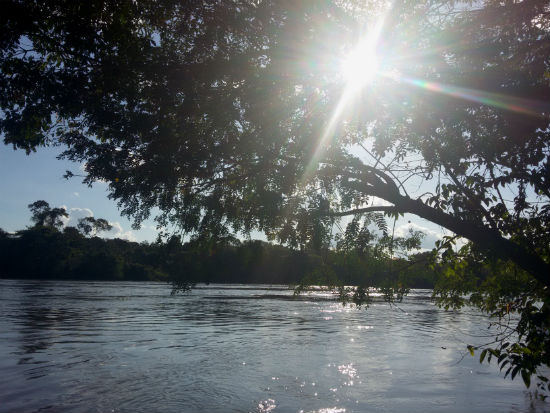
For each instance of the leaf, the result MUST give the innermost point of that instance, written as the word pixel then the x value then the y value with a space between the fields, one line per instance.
pixel 471 350
pixel 482 355
pixel 526 376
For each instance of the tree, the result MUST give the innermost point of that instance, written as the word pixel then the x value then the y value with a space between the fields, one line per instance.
pixel 237 115
pixel 92 226
pixel 143 93
pixel 44 216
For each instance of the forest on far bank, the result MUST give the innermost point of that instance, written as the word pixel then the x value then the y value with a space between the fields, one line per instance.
pixel 48 250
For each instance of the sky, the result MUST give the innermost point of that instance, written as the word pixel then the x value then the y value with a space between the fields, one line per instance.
pixel 39 176
pixel 28 178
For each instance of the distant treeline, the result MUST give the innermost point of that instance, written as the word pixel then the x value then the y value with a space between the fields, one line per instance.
pixel 48 250
pixel 49 253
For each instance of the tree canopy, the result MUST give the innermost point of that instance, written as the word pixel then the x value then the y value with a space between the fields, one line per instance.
pixel 44 215
pixel 233 116
pixel 237 115
pixel 92 226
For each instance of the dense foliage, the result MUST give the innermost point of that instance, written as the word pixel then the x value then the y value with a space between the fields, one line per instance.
pixel 519 307
pixel 48 251
pixel 223 115
pixel 233 116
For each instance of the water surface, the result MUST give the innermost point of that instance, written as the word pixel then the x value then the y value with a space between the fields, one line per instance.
pixel 131 347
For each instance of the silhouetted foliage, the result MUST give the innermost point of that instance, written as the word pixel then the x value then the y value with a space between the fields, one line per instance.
pixel 92 226
pixel 47 252
pixel 222 115
pixel 43 215
pixel 213 112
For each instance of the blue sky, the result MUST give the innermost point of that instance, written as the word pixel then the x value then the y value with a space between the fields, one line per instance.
pixel 28 178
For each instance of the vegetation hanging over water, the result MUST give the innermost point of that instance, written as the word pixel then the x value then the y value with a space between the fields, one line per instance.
pixel 47 250
pixel 233 116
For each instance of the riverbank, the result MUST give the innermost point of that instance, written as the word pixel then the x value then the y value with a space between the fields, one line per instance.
pixel 49 253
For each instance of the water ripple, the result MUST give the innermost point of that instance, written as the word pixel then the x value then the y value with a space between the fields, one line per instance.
pixel 124 347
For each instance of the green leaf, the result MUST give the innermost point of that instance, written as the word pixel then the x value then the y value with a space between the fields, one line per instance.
pixel 526 376
pixel 471 350
pixel 482 355
pixel 507 372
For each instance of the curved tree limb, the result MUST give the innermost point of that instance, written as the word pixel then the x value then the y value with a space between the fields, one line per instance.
pixel 380 208
pixel 380 185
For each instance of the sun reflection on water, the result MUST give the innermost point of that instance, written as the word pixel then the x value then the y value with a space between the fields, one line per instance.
pixel 350 371
pixel 266 405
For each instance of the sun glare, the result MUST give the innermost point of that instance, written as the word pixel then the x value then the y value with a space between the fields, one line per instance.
pixel 361 65
pixel 358 69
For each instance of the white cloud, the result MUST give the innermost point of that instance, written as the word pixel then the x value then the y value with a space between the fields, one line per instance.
pixel 431 236
pixel 75 214
pixel 117 231
pixel 379 202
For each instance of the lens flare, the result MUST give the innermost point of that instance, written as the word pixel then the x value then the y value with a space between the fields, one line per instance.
pixel 361 65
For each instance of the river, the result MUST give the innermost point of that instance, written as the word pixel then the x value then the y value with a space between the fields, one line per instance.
pixel 132 347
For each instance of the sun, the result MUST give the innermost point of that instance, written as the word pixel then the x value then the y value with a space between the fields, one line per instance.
pixel 360 66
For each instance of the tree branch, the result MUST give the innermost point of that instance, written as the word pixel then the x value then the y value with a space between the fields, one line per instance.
pixel 378 184
pixel 380 208
pixel 485 237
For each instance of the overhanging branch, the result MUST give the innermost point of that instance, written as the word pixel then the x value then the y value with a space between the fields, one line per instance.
pixel 485 237
pixel 378 184
pixel 380 208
